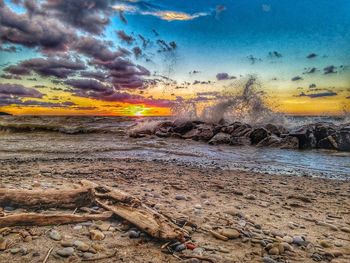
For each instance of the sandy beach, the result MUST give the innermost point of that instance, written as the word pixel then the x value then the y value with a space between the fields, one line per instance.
pixel 306 219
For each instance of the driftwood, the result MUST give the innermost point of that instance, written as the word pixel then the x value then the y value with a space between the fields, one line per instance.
pixel 30 219
pixel 117 202
pixel 46 198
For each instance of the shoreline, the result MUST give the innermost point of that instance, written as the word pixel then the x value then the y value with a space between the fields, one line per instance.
pixel 269 206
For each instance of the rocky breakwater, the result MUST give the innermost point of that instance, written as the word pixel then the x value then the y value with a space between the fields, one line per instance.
pixel 311 136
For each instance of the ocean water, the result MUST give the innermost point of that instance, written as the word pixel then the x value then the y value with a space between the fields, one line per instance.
pixel 42 138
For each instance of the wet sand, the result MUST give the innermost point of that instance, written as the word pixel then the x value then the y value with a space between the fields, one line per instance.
pixel 265 209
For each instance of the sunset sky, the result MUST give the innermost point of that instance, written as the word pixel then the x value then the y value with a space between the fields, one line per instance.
pixel 134 57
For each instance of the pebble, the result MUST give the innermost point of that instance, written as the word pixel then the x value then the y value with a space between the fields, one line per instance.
pixel 180 197
pixel 65 252
pixel 197 206
pixel 180 247
pixel 230 233
pixel 77 227
pixel 299 240
pixel 104 226
pixel 96 235
pixel 325 243
pixel 80 245
pixel 15 250
pixel 274 251
pixel 288 239
pixel 65 243
pixel 345 229
pixel 133 234
pixel 88 255
pixel 250 197
pixel 269 260
pixel 218 236
pixel 204 195
pixel 55 235
pixel 3 244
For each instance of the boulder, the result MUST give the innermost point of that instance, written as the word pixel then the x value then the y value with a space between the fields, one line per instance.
pixel 243 130
pixel 276 129
pixel 327 143
pixel 182 127
pixel 343 140
pixel 231 128
pixel 305 136
pixel 236 141
pixel 323 130
pixel 289 142
pixel 258 134
pixel 220 138
pixel 270 141
pixel 203 132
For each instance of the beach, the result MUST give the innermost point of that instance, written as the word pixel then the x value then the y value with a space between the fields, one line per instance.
pixel 237 203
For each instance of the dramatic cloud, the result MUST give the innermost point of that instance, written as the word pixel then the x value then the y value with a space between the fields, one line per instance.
pixel 60 68
pixel 10 49
pixel 318 95
pixel 310 70
pixel 88 85
pixel 13 93
pixel 89 15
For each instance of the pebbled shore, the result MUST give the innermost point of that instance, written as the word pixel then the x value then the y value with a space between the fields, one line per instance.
pixel 268 218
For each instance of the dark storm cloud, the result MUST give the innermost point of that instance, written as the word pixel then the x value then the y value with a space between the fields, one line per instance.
pixel 312 55
pixel 329 70
pixel 89 15
pixel 125 37
pixel 18 91
pixel 33 31
pixel 318 95
pixel 87 85
pixel 60 68
pixel 99 75
pixel 296 78
pixel 8 76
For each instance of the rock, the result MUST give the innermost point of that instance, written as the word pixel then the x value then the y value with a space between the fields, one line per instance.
pixel 325 243
pixel 270 141
pixel 236 141
pixel 3 244
pixel 289 142
pixel 15 250
pixel 258 134
pixel 77 227
pixel 96 235
pixel 103 226
pixel 288 239
pixel 80 245
pixel 55 235
pixel 230 233
pixel 305 136
pixel 197 206
pixel 323 130
pixel 343 140
pixel 203 132
pixel 286 246
pixel 65 243
pixel 269 260
pixel 181 127
pixel 274 251
pixel 218 235
pixel 180 197
pixel 133 234
pixel 274 129
pixel 180 247
pixel 65 252
pixel 345 229
pixel 220 138
pixel 88 255
pixel 243 130
pixel 327 143
pixel 299 240
pixel 250 197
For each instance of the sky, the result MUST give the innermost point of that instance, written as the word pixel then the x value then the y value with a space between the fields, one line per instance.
pixel 140 58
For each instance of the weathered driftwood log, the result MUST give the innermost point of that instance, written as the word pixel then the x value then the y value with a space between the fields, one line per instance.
pixel 46 198
pixel 133 210
pixel 35 219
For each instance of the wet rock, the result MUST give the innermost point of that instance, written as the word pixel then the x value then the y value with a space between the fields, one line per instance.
pixel 289 142
pixel 243 130
pixel 203 132
pixel 236 141
pixel 258 134
pixel 323 130
pixel 305 136
pixel 65 252
pixel 96 235
pixel 80 245
pixel 343 140
pixel 181 126
pixel 55 235
pixel 220 138
pixel 270 141
pixel 327 143
pixel 230 233
pixel 276 129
